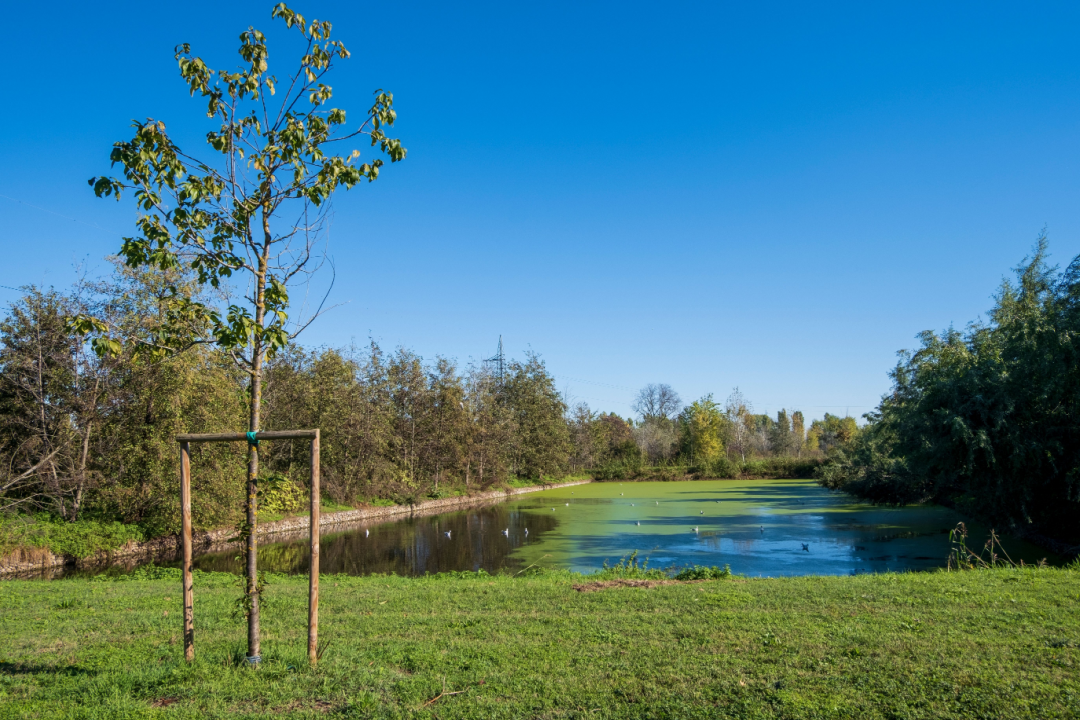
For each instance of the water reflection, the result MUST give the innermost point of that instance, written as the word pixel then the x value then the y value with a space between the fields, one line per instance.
pixel 464 540
pixel 773 527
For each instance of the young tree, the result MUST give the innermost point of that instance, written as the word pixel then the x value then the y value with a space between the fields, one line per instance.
pixel 250 213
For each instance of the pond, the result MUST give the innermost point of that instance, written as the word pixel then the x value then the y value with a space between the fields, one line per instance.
pixel 758 527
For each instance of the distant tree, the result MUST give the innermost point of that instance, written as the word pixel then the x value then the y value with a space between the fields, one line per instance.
pixel 781 433
pixel 739 412
pixel 585 437
pixel 762 435
pixel 657 440
pixel 798 432
pixel 541 439
pixel 831 432
pixel 702 423
pixel 657 401
pixel 492 428
pixel 618 438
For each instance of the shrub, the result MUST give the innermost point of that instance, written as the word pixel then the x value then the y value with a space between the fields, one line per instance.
pixel 700 572
pixel 278 494
pixel 79 539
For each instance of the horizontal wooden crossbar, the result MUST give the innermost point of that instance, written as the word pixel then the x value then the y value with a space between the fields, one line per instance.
pixel 241 437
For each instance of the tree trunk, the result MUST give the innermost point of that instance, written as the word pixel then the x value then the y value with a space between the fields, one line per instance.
pixel 252 570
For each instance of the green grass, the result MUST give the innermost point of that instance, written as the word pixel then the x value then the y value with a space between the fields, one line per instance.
pixel 981 644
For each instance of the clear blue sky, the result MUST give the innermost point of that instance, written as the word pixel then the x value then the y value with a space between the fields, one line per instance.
pixel 774 196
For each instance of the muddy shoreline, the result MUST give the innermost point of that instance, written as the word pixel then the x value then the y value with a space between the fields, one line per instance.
pixel 42 564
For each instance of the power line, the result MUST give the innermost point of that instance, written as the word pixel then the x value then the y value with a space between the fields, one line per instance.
pixel 51 212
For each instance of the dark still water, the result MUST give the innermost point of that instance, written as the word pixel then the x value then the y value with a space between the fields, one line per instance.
pixel 758 527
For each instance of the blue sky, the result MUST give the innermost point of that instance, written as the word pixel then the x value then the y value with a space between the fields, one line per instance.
pixel 774 196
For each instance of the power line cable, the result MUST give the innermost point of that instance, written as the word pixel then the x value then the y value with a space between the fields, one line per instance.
pixel 51 212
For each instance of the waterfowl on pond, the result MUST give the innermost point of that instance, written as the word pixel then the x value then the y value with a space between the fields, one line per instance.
pixel 366 533
pixel 447 533
pixel 806 547
pixel 506 532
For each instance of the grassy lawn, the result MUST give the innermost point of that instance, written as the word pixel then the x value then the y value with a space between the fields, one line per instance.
pixel 981 644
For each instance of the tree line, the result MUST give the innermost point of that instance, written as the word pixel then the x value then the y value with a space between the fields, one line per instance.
pixel 703 437
pixel 87 435
pixel 84 434
pixel 986 419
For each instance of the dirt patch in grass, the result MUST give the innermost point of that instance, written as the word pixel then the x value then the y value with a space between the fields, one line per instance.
pixel 598 585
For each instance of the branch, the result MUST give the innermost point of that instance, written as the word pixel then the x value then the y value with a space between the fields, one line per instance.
pixel 34 469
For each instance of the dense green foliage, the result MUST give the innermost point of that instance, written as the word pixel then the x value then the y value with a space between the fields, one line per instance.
pixel 79 538
pixel 987 419
pixel 87 436
pixel 981 644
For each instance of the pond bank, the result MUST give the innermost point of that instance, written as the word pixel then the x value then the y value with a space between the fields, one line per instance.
pixel 37 561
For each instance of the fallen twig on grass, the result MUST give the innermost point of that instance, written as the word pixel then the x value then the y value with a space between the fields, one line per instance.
pixel 442 695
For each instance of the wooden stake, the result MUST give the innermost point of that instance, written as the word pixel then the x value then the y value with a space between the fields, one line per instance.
pixel 313 578
pixel 185 531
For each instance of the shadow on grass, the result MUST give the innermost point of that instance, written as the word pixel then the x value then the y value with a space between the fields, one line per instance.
pixel 7 668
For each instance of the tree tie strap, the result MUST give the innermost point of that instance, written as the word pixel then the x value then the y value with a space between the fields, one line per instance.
pixel 252 440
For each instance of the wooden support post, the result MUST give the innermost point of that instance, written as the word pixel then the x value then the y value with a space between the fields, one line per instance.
pixel 313 577
pixel 185 531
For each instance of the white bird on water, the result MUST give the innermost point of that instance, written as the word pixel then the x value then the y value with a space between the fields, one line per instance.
pixel 366 533
pixel 639 522
pixel 526 532
pixel 506 532
pixel 702 512
pixel 695 530
pixel 447 533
